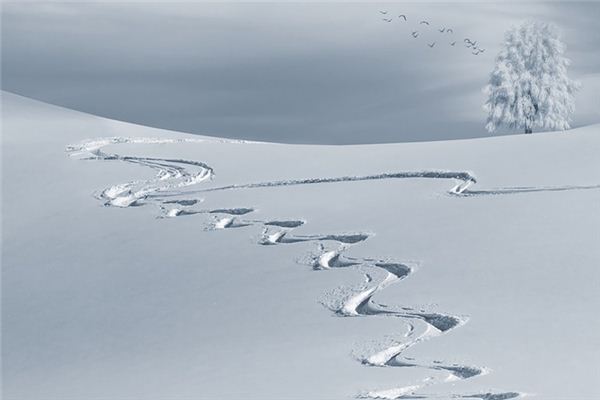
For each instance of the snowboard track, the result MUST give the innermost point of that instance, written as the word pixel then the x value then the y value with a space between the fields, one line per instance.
pixel 172 175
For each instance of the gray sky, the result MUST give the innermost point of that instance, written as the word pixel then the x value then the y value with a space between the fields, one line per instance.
pixel 285 72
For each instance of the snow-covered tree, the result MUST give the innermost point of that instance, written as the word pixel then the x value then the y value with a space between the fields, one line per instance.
pixel 529 87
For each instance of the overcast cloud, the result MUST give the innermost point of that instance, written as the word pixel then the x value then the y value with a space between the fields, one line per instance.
pixel 298 73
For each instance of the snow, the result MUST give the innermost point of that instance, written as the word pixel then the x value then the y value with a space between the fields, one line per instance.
pixel 392 394
pixel 223 223
pixel 325 259
pixel 105 299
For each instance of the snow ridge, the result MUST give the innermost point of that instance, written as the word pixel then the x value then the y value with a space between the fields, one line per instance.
pixel 175 174
pixel 465 179
pixel 170 173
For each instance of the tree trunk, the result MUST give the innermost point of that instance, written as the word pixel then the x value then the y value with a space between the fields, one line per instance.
pixel 528 130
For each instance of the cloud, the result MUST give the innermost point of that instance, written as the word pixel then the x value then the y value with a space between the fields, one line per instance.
pixel 311 72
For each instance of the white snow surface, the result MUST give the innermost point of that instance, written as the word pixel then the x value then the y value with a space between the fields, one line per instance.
pixel 285 271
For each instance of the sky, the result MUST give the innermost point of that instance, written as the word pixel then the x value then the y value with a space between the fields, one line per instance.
pixel 324 73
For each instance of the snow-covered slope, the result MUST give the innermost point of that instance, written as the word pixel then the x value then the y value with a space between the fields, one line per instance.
pixel 141 263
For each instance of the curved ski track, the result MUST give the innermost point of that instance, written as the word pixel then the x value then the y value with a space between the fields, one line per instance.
pixel 175 174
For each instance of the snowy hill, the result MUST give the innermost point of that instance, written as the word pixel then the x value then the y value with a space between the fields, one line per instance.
pixel 143 263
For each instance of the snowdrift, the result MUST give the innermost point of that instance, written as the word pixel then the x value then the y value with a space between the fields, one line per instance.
pixel 143 263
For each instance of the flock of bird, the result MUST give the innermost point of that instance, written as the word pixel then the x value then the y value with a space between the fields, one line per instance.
pixel 469 44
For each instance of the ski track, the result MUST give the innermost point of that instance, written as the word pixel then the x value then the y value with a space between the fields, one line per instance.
pixel 172 175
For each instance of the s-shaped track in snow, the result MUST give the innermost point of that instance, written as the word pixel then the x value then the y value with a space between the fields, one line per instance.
pixel 164 191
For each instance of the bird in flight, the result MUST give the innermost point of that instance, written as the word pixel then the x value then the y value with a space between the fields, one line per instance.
pixel 442 30
pixel 402 16
pixel 449 30
pixel 431 44
pixel 476 52
pixel 383 12
pixel 470 43
pixel 453 43
pixel 415 34
pixel 386 19
pixel 424 22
